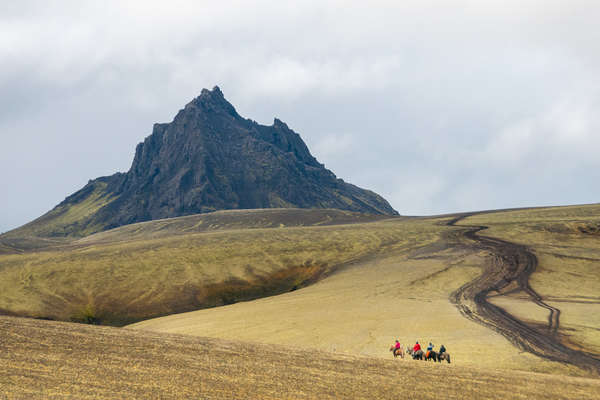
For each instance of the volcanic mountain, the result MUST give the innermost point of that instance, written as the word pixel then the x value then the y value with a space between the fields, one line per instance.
pixel 208 158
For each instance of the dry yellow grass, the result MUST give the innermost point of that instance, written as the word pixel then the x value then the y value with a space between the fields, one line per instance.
pixel 42 359
pixel 392 280
pixel 154 269
pixel 229 220
pixel 403 294
pixel 361 310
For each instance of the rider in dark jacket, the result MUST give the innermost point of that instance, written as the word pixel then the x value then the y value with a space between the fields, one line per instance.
pixel 442 349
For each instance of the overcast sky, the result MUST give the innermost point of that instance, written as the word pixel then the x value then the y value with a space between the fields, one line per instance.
pixel 439 106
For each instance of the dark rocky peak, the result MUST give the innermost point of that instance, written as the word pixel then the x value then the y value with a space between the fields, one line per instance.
pixel 284 138
pixel 210 158
pixel 279 124
pixel 212 101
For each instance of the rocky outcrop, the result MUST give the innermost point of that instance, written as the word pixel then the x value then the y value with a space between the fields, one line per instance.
pixel 210 158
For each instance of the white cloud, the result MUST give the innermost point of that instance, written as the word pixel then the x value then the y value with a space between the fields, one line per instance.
pixel 566 131
pixel 488 99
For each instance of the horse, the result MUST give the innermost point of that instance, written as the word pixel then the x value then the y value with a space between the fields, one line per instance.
pixel 444 356
pixel 397 352
pixel 416 355
pixel 431 355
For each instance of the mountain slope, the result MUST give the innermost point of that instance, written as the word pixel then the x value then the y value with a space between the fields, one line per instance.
pixel 208 158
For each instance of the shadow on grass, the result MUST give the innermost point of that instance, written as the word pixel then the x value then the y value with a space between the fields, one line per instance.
pixel 105 310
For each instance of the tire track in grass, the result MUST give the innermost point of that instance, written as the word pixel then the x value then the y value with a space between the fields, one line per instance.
pixel 513 264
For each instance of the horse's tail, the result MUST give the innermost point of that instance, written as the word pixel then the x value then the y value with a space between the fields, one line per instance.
pixel 448 358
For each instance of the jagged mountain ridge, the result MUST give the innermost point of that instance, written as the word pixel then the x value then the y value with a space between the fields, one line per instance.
pixel 208 158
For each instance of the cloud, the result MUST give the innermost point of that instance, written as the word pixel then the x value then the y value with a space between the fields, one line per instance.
pixel 437 105
pixel 566 132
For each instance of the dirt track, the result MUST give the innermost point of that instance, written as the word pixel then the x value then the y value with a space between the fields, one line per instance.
pixel 509 271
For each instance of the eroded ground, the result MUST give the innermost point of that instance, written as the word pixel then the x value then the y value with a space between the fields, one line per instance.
pixel 530 298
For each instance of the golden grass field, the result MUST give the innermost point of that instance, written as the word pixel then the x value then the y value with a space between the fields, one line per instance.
pixel 404 294
pixel 162 267
pixel 328 283
pixel 46 359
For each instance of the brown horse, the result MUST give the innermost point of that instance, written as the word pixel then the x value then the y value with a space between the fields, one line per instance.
pixel 397 352
pixel 416 355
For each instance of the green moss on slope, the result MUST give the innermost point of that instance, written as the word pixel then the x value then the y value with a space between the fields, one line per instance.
pixel 71 217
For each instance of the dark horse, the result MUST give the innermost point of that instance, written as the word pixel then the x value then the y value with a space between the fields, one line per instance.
pixel 431 355
pixel 444 356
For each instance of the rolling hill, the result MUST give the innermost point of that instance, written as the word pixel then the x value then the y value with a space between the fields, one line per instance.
pixel 418 293
pixel 337 281
pixel 163 267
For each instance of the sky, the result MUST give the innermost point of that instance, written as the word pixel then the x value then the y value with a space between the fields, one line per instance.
pixel 438 106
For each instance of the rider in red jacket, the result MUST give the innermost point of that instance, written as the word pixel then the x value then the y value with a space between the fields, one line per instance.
pixel 417 347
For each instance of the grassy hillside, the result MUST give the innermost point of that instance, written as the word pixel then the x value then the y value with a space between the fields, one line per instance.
pixel 170 266
pixel 69 218
pixel 229 220
pixel 42 359
pixel 42 233
pixel 406 294
pixel 375 281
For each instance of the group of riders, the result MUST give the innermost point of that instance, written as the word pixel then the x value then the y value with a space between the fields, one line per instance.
pixel 418 354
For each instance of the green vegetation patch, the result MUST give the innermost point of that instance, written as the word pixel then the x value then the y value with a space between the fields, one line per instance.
pixel 69 218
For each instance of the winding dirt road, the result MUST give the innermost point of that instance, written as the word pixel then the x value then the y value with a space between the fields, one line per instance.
pixel 509 269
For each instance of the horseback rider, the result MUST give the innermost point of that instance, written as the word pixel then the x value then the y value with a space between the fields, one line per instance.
pixel 442 350
pixel 416 347
pixel 429 349
pixel 397 347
